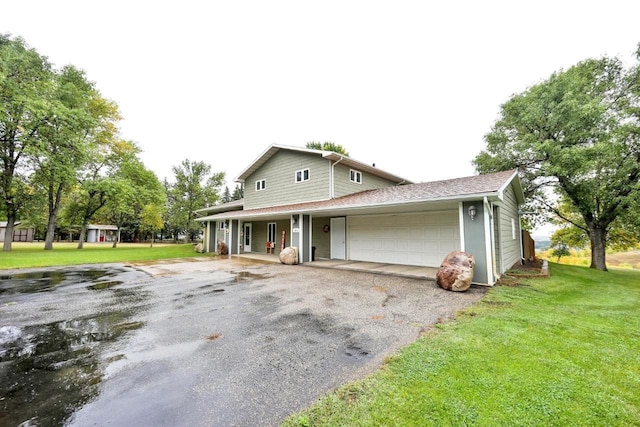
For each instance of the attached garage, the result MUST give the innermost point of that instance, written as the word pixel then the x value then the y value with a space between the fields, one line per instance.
pixel 412 239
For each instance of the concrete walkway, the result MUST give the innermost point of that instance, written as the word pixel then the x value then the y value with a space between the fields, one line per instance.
pixel 410 271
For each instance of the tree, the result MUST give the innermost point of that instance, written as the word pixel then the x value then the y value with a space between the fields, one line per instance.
pixel 25 88
pixel 560 250
pixel 194 187
pixel 78 115
pixel 99 182
pixel 328 146
pixel 575 136
pixel 226 195
pixel 238 193
pixel 134 188
pixel 151 219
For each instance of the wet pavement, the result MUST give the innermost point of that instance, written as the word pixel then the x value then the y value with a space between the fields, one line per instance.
pixel 199 343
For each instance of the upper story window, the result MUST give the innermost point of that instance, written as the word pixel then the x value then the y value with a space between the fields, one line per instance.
pixel 261 184
pixel 302 175
pixel 355 176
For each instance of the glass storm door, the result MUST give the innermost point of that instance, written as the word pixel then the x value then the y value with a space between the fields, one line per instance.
pixel 247 237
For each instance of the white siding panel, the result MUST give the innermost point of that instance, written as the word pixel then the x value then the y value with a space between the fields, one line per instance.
pixel 414 239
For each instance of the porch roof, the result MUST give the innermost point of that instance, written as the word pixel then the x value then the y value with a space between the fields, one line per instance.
pixel 435 194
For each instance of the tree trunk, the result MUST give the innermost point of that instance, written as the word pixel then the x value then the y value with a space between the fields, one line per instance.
pixel 598 238
pixel 83 235
pixel 49 234
pixel 8 232
pixel 54 208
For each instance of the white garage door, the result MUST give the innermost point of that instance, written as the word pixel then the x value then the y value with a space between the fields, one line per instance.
pixel 413 239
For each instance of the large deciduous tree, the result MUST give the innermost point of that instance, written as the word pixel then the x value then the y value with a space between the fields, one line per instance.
pixel 25 91
pixel 194 187
pixel 577 134
pixel 79 116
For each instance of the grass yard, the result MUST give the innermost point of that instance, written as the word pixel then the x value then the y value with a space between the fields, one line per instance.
pixel 25 255
pixel 563 351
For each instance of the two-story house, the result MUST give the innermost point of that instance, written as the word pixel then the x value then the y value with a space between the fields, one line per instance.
pixel 332 206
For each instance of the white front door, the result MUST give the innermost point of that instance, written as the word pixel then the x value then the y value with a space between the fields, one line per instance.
pixel 338 238
pixel 247 237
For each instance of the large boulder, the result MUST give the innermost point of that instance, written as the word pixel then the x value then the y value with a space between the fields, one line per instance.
pixel 456 271
pixel 289 255
pixel 222 248
pixel 199 248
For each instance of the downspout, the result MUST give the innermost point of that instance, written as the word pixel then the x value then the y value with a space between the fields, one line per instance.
pixel 332 180
pixel 522 260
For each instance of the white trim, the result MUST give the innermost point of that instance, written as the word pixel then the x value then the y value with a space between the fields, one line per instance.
pixel 487 239
pixel 461 220
pixel 302 179
pixel 356 174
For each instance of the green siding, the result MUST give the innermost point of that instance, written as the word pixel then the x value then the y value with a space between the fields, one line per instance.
pixel 259 239
pixel 510 245
pixel 281 188
pixel 343 185
pixel 321 240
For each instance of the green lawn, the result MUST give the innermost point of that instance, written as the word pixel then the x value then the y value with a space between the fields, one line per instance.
pixel 559 352
pixel 33 255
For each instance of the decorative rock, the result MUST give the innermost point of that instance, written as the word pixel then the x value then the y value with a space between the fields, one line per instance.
pixel 289 255
pixel 456 271
pixel 199 248
pixel 222 248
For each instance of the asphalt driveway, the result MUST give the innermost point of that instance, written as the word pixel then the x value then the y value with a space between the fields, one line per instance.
pixel 201 343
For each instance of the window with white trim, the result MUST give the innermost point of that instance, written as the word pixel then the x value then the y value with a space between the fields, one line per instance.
pixel 261 184
pixel 302 175
pixel 513 228
pixel 271 232
pixel 220 225
pixel 355 176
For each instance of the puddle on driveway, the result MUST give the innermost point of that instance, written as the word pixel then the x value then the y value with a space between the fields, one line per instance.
pixel 49 370
pixel 41 281
pixel 247 275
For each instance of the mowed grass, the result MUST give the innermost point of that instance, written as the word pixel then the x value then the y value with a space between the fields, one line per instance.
pixel 25 255
pixel 563 351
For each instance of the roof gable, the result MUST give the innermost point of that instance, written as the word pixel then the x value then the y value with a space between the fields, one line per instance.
pixel 329 155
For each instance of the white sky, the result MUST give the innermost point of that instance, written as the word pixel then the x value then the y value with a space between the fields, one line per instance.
pixel 412 86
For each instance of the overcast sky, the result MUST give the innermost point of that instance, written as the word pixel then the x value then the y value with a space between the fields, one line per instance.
pixel 412 86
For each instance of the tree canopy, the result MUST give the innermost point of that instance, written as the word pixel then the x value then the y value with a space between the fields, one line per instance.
pixel 575 137
pixel 195 186
pixel 328 146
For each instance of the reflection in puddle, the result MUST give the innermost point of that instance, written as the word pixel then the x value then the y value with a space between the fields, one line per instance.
pixel 247 275
pixel 41 281
pixel 104 285
pixel 47 371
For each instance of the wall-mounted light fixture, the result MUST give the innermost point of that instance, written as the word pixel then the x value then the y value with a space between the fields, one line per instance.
pixel 472 212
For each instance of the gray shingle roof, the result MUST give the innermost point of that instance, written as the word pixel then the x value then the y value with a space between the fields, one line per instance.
pixel 451 189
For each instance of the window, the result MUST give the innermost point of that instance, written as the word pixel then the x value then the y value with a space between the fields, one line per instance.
pixel 271 232
pixel 220 225
pixel 302 175
pixel 261 185
pixel 355 176
pixel 513 228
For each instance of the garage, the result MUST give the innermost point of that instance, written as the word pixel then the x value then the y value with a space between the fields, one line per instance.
pixel 410 239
